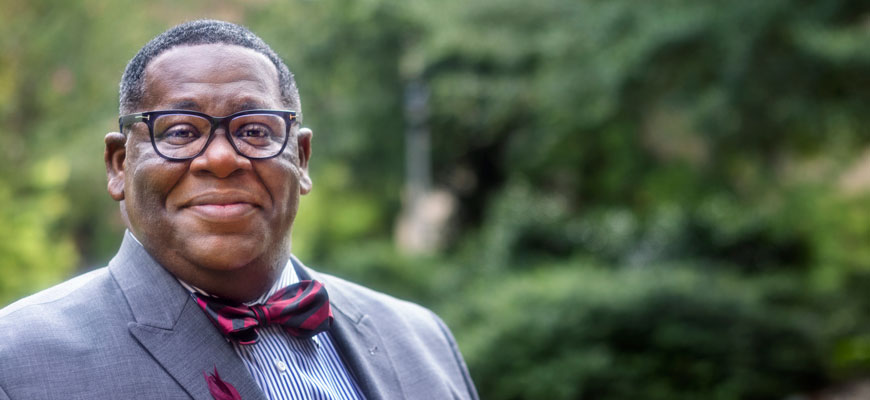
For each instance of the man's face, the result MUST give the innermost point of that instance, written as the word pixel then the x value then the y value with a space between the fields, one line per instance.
pixel 219 213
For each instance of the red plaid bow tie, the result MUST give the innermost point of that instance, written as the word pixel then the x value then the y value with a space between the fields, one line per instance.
pixel 302 309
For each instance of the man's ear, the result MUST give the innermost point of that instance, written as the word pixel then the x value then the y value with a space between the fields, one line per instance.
pixel 303 147
pixel 115 155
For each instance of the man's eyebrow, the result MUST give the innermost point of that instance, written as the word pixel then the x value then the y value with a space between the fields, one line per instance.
pixel 250 105
pixel 184 105
pixel 242 105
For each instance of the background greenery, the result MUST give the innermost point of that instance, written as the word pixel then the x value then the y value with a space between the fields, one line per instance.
pixel 655 199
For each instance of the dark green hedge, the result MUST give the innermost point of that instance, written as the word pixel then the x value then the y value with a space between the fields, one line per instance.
pixel 578 332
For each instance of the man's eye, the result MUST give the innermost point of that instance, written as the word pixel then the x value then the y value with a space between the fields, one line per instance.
pixel 252 132
pixel 179 135
pixel 256 135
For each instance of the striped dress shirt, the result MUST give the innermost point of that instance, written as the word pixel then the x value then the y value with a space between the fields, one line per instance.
pixel 286 367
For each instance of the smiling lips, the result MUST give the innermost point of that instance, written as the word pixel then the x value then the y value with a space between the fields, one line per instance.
pixel 221 207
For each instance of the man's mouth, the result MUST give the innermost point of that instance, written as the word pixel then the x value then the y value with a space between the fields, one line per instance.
pixel 221 207
pixel 223 211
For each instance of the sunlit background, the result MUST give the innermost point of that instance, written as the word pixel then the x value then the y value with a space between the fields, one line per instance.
pixel 614 199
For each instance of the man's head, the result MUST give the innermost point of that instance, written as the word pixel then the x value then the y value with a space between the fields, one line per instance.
pixel 194 33
pixel 220 220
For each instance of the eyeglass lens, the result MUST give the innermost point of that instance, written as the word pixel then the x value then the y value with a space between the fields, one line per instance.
pixel 253 135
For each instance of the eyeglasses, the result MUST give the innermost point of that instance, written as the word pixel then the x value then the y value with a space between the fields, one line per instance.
pixel 179 135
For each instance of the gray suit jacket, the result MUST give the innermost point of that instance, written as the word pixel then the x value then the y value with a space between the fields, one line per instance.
pixel 130 330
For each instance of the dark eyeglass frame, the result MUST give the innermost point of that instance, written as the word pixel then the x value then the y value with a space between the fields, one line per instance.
pixel 148 117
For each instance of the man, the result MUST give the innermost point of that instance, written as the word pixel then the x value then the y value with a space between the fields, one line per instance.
pixel 208 168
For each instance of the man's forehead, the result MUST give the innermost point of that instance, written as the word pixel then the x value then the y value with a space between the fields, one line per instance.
pixel 186 72
pixel 241 102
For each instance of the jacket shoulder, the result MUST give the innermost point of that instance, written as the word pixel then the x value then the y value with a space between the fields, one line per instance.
pixel 56 296
pixel 414 336
pixel 70 337
pixel 62 320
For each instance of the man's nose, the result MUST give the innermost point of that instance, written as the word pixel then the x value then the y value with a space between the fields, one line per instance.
pixel 220 158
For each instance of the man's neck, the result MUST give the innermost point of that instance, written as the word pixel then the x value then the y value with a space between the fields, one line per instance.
pixel 287 277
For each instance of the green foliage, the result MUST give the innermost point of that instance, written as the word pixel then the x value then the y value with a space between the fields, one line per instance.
pixel 32 253
pixel 425 280
pixel 576 332
pixel 725 137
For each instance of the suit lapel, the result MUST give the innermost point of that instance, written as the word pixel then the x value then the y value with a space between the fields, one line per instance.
pixel 359 342
pixel 170 326
pixel 187 352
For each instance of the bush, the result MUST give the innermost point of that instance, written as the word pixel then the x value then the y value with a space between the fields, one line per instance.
pixel 377 264
pixel 651 333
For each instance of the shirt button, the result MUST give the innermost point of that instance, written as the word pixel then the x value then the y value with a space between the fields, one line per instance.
pixel 281 366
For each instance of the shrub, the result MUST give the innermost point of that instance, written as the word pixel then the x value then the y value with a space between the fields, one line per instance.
pixel 649 333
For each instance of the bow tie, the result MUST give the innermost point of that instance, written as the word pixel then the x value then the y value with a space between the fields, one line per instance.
pixel 302 309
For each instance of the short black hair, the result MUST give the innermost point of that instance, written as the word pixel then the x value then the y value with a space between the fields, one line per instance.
pixel 204 31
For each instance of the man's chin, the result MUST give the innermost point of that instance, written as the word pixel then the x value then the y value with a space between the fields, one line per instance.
pixel 224 252
pixel 221 221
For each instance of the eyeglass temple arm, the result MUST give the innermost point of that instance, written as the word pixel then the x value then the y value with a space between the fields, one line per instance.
pixel 130 119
